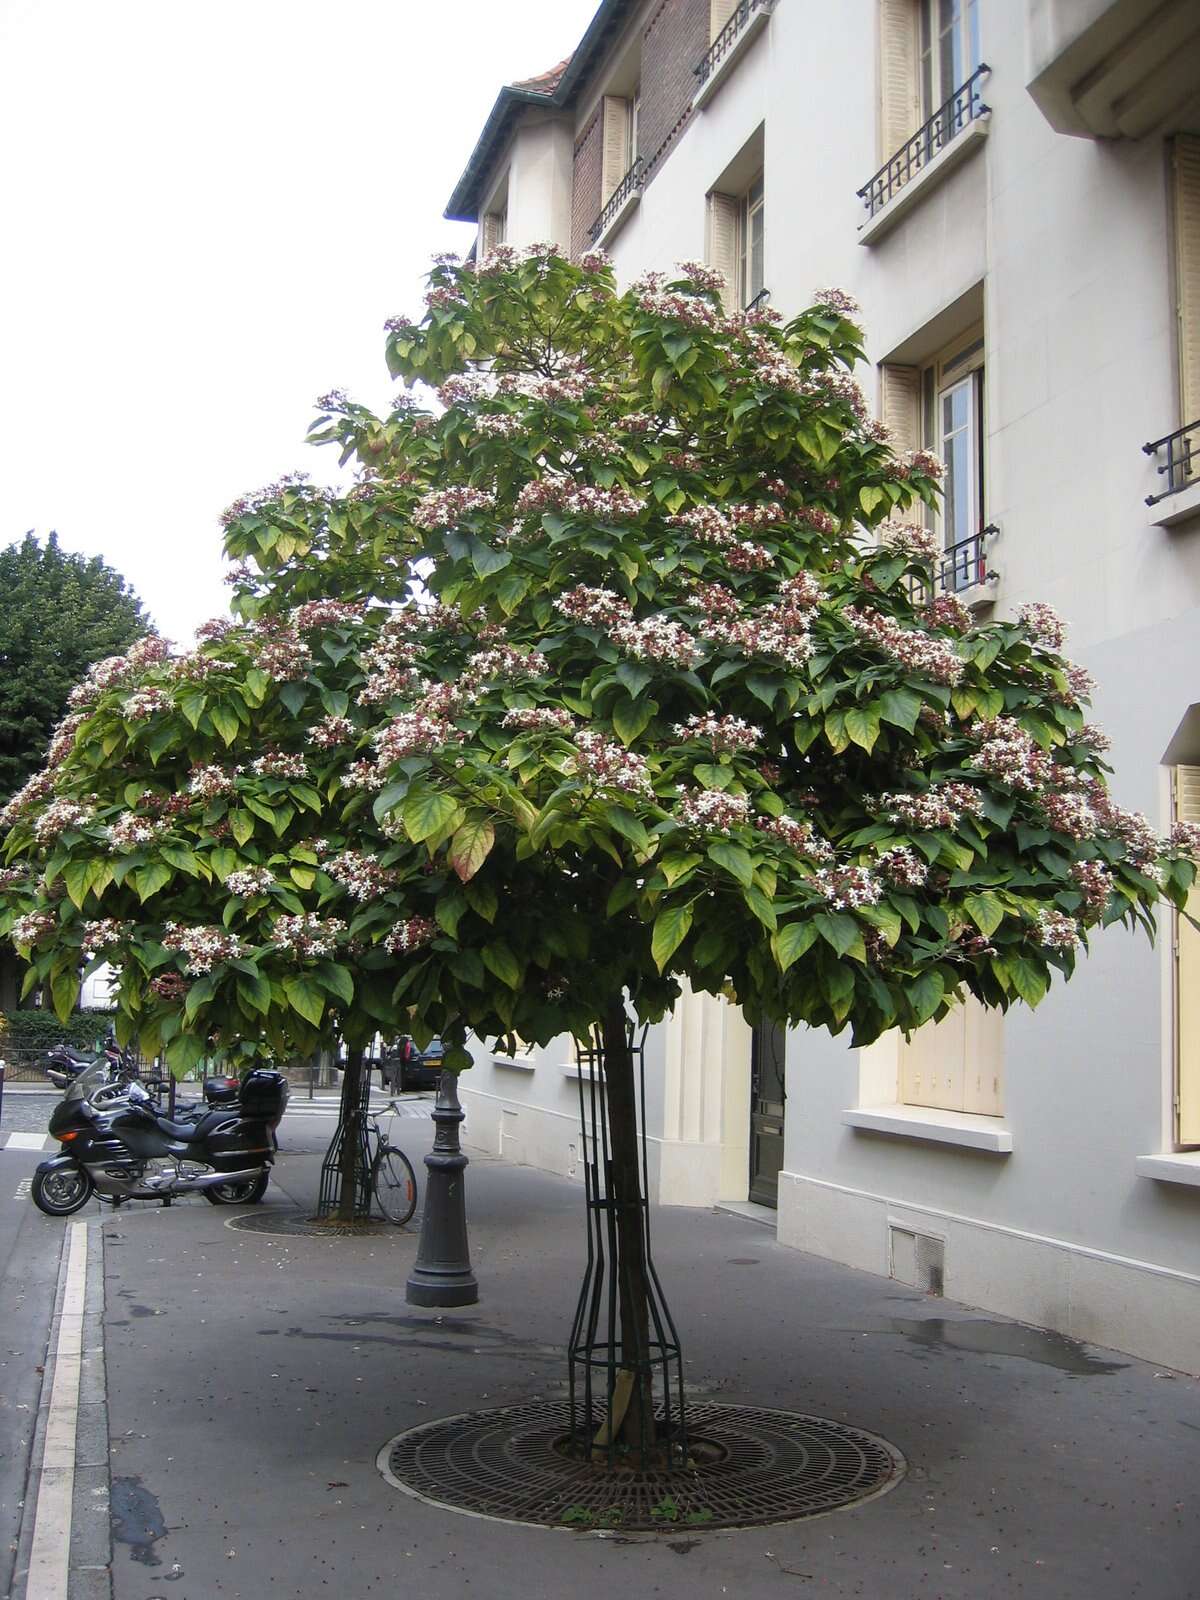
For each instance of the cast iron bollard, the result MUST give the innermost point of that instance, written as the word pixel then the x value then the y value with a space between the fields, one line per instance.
pixel 442 1273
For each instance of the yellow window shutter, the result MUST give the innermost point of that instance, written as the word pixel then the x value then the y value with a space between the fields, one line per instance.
pixel 615 158
pixel 983 1088
pixel 719 13
pixel 1187 273
pixel 900 404
pixel 933 1063
pixel 1187 979
pixel 899 89
pixel 721 249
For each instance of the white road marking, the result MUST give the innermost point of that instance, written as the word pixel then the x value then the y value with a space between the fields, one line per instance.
pixel 23 1188
pixel 25 1141
pixel 50 1554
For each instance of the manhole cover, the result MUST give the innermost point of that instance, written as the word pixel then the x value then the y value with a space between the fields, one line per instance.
pixel 752 1466
pixel 312 1228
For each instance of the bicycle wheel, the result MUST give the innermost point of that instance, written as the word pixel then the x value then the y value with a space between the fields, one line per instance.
pixel 395 1185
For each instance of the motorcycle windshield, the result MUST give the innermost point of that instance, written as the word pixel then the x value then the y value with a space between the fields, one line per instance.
pixel 88 1081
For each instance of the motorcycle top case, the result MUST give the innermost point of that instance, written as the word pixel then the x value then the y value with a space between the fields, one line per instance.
pixel 263 1094
pixel 221 1091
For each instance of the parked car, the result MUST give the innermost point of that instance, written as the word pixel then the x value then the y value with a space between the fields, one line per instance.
pixel 407 1067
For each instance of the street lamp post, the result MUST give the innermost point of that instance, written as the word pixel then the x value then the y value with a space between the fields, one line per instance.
pixel 442 1275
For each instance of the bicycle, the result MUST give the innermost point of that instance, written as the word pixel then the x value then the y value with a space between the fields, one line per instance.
pixel 393 1183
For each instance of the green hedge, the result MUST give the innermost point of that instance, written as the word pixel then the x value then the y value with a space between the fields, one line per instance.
pixel 25 1031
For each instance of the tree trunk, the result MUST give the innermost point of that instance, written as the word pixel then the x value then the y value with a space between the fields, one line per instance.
pixel 12 972
pixel 351 1117
pixel 636 1428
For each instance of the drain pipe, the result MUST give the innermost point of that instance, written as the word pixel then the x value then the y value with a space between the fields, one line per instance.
pixel 441 1274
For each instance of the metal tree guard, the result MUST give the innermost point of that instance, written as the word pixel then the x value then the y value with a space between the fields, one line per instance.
pixel 595 1345
pixel 351 1126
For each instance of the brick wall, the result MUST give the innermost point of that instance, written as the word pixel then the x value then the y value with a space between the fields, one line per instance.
pixel 674 39
pixel 585 191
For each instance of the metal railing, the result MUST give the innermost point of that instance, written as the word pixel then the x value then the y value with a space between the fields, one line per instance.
pixel 629 184
pixel 1182 464
pixel 963 107
pixel 762 298
pixel 961 566
pixel 725 40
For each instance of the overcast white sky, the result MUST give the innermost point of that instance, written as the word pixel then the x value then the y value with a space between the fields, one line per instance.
pixel 209 210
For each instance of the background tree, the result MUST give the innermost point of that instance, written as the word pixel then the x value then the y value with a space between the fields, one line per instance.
pixel 641 670
pixel 58 614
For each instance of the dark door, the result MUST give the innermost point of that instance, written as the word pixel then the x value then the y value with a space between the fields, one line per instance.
pixel 767 1097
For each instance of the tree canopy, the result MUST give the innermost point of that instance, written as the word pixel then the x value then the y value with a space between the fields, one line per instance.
pixel 621 666
pixel 58 614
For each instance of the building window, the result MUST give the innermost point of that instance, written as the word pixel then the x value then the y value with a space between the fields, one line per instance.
pixel 751 226
pixel 956 1064
pixel 495 228
pixel 949 49
pixel 1186 797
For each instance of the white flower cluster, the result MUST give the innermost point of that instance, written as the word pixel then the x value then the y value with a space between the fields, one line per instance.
pixel 410 935
pixel 1044 623
pixel 464 389
pixel 902 866
pixel 836 388
pixel 245 881
pixel 921 462
pixel 609 765
pixel 360 875
pixel 1056 931
pixel 538 719
pixel 910 540
pixel 1070 813
pixel 32 928
pixel 801 837
pixel 1011 756
pixel 712 810
pixel 33 790
pixel 442 508
pixel 330 731
pixel 209 782
pixel 101 675
pixel 720 733
pixel 946 611
pixel 282 656
pixel 58 816
pixel 916 652
pixel 62 741
pixel 746 556
pixel 504 664
pixel 307 935
pixel 689 310
pixel 701 276
pixel 411 734
pixel 1185 837
pixel 1092 738
pixel 1095 882
pixel 388 665
pixel 940 806
pixel 1080 682
pixel 557 492
pixel 129 830
pixel 280 764
pixel 363 775
pixel 202 947
pixel 102 935
pixel 325 614
pixel 846 888
pixel 837 301
pixel 597 608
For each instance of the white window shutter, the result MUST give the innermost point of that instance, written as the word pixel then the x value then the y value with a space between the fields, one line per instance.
pixel 899 85
pixel 900 405
pixel 615 157
pixel 719 13
pixel 490 232
pixel 721 249
pixel 933 1063
pixel 1187 272
pixel 1187 978
pixel 983 1090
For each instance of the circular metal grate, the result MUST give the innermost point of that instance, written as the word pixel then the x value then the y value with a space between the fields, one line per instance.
pixel 312 1228
pixel 751 1466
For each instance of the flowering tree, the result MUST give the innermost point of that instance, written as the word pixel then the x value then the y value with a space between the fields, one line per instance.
pixel 632 675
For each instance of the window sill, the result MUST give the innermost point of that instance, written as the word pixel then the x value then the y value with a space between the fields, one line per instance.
pixel 510 1064
pixel 1171 1166
pixel 758 21
pixel 954 154
pixel 586 1073
pixel 617 222
pixel 962 1128
pixel 1176 508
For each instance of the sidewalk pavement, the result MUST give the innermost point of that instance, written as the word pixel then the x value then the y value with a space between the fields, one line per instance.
pixel 253 1379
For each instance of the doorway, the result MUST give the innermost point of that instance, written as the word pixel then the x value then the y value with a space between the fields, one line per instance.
pixel 767 1098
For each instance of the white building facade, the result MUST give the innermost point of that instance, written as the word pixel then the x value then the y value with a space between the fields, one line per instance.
pixel 1011 189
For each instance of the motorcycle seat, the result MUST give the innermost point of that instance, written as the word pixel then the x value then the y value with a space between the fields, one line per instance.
pixel 191 1132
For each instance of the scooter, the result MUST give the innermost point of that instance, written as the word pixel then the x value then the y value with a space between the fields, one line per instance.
pixel 118 1146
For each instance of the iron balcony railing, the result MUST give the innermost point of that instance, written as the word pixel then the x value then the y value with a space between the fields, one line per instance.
pixel 629 184
pixel 961 566
pixel 762 298
pixel 1182 464
pixel 964 106
pixel 725 40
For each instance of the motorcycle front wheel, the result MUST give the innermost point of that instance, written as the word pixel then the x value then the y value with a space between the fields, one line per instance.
pixel 62 1191
pixel 247 1193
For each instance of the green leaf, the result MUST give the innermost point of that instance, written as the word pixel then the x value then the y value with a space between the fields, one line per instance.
pixel 837 929
pixel 225 722
pixel 185 1051
pixel 150 879
pixel 500 961
pixel 64 991
pixel 734 859
pixel 676 868
pixel 337 981
pixel 762 688
pixel 862 725
pixel 629 827
pixel 471 844
pixel 305 997
pixel 241 827
pixel 1028 980
pixel 985 911
pixel 791 941
pixel 200 993
pixel 761 907
pixel 389 798
pixel 76 876
pixel 256 687
pixel 925 995
pixel 449 911
pixel 629 718
pixel 255 993
pixel 634 676
pixel 426 813
pixel 670 930
pixel 482 899
pixel 869 498
pixel 294 695
pixel 900 707
pixel 486 561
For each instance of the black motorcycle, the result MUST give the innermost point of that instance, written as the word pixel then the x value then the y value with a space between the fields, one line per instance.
pixel 66 1063
pixel 122 1148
